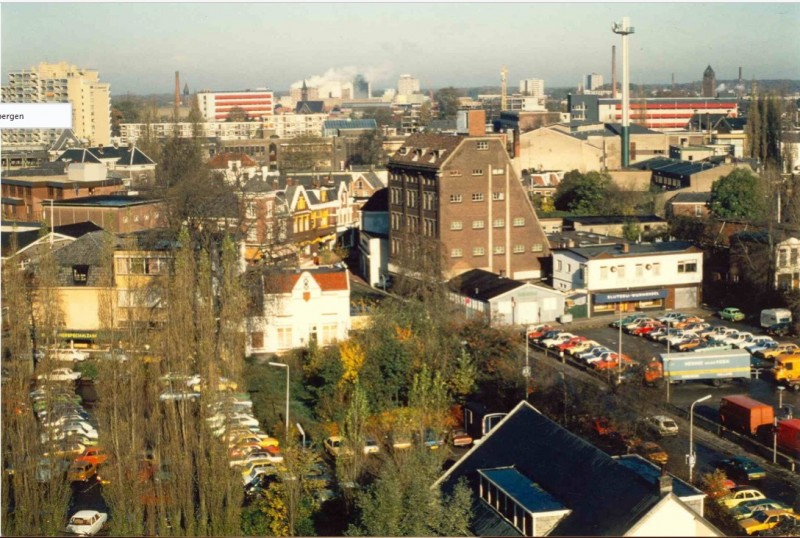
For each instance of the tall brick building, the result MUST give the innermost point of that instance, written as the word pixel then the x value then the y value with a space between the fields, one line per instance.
pixel 461 192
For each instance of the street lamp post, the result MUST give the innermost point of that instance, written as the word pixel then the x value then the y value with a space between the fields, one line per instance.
pixel 302 433
pixel 780 397
pixel 619 349
pixel 283 365
pixel 564 384
pixel 526 372
pixel 692 455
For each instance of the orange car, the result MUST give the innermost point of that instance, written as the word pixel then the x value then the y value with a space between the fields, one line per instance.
pixel 93 454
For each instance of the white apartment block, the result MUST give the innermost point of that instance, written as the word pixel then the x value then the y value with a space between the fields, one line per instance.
pixel 631 276
pixel 532 86
pixel 407 85
pixel 594 81
pixel 284 126
pixel 61 83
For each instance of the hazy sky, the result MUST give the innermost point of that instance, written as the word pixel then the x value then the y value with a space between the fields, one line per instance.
pixel 138 47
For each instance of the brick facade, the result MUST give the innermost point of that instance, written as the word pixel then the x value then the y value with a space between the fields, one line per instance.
pixel 462 192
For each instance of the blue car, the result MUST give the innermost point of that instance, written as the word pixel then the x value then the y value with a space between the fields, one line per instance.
pixel 742 468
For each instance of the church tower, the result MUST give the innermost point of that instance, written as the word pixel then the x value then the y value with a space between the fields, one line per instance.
pixel 709 83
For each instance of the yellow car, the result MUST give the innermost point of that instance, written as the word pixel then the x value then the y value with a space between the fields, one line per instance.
pixel 652 452
pixel 739 495
pixel 784 347
pixel 766 520
pixel 263 441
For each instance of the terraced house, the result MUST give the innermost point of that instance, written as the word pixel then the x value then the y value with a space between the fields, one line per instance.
pixel 461 194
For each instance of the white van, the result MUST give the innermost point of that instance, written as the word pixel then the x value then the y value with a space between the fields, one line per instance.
pixel 771 316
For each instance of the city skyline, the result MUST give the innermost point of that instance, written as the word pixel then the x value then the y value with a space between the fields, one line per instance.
pixel 138 47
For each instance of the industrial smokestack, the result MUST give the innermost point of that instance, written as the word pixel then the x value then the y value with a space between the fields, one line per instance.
pixel 177 92
pixel 613 71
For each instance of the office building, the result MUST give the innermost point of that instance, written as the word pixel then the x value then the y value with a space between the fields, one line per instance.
pixel 532 86
pixel 407 85
pixel 593 81
pixel 216 106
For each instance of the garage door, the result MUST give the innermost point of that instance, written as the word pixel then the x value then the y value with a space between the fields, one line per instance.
pixel 686 297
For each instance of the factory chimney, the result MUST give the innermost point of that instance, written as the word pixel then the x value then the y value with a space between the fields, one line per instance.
pixel 613 71
pixel 177 93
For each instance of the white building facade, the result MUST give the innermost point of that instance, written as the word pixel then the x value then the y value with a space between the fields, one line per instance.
pixel 301 307
pixel 532 86
pixel 631 277
pixel 215 106
pixel 407 85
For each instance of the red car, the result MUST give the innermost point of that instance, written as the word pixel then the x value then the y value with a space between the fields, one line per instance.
pixel 94 455
pixel 646 329
pixel 539 330
pixel 613 363
pixel 572 342
pixel 602 426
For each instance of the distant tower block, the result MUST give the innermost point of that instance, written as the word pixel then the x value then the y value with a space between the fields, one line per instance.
pixel 186 93
pixel 613 71
pixel 709 82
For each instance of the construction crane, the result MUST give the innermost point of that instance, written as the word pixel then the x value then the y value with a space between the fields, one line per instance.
pixel 503 89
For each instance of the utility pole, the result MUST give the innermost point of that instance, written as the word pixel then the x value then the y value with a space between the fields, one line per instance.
pixel 625 29
pixel 503 73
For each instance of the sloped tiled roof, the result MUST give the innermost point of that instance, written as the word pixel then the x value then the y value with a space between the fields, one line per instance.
pixel 86 250
pixel 310 107
pixel 691 198
pixel 426 150
pixel 482 285
pixel 24 239
pixel 327 279
pixel 221 160
pixel 342 125
pixel 605 496
pixel 122 156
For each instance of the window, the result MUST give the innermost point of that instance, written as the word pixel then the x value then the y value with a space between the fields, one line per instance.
pixel 329 334
pixel 477 197
pixel 80 275
pixel 252 234
pixel 537 247
pixel 656 269
pixel 620 271
pixel 559 266
pixel 519 249
pixel 455 199
pixel 455 173
pixel 478 251
pixel 499 250
pixel 519 221
pixel 793 260
pixel 497 171
pixel 499 223
pixel 478 225
pixel 603 272
pixel 498 196
pixel 251 210
pixel 687 267
pixel 257 340
pixel 477 171
pixel 482 145
pixel 456 225
pixel 456 253
pixel 639 270
pixel 284 337
pixel 783 257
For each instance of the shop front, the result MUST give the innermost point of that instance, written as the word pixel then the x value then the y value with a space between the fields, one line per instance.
pixel 629 301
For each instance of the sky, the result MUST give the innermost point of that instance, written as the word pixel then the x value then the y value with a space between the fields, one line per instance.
pixel 232 46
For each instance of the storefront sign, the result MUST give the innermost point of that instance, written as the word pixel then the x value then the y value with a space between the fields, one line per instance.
pixel 618 297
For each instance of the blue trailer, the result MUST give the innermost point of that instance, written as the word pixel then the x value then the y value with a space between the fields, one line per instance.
pixel 712 366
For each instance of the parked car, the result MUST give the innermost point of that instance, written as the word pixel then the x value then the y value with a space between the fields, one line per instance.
pixel 647 328
pixel 335 446
pixel 560 338
pixel 544 336
pixel 685 321
pixel 68 449
pixel 177 395
pixel 582 347
pixel 371 446
pixel 780 329
pixel 731 314
pixel 765 520
pixel 459 437
pixel 781 348
pixel 60 374
pixel 661 425
pixel 760 346
pixel 569 344
pixel 69 354
pixel 595 351
pixel 689 343
pixel 431 439
pixel 749 508
pixel 93 454
pixel 712 345
pixel 737 340
pixel 652 452
pixel 657 333
pixel 87 522
pixel 81 471
pixel 740 494
pixel 739 467
pixel 626 320
pixel 400 441
pixel 670 316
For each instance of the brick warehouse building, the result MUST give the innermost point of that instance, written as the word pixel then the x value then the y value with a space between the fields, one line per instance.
pixel 462 192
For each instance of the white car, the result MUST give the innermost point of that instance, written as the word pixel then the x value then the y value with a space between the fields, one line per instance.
pixel 736 339
pixel 754 341
pixel 677 336
pixel 662 425
pixel 758 347
pixel 670 317
pixel 73 428
pixel 558 339
pixel 87 522
pixel 244 419
pixel 593 352
pixel 60 374
pixel 69 354
pixel 177 395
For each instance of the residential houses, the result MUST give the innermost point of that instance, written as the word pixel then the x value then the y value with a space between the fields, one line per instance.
pixel 298 307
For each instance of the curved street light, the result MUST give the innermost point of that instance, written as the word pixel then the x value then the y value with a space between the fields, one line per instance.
pixel 692 455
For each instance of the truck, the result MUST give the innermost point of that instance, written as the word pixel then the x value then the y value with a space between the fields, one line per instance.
pixel 744 414
pixel 787 371
pixel 789 437
pixel 773 316
pixel 711 366
pixel 478 420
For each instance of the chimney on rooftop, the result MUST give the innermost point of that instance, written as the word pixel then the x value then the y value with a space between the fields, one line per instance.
pixel 625 248
pixel 664 483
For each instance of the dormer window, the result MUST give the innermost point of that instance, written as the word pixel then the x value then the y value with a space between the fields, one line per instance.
pixel 80 275
pixel 402 151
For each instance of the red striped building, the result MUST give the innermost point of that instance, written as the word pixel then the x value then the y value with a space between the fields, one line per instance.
pixel 659 114
pixel 215 106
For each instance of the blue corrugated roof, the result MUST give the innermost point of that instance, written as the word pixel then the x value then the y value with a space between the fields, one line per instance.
pixel 526 493
pixel 350 124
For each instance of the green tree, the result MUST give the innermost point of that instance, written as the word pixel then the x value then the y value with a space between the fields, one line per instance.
pixel 236 114
pixel 369 149
pixel 584 194
pixel 382 115
pixel 447 99
pixel 305 153
pixel 738 195
pixel 425 114
pixel 631 231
